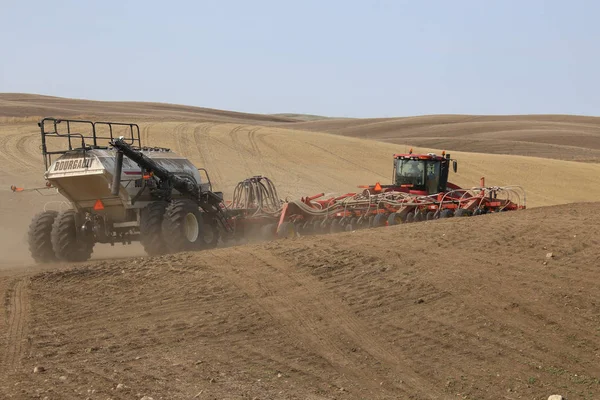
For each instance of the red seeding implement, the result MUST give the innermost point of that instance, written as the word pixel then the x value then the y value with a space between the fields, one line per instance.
pixel 119 191
pixel 420 191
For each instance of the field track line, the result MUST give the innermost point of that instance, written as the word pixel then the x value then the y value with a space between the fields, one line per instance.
pixel 17 312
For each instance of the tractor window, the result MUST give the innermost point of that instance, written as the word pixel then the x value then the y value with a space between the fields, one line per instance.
pixel 410 172
pixel 433 176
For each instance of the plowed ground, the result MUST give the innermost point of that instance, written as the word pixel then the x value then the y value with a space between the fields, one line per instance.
pixel 430 310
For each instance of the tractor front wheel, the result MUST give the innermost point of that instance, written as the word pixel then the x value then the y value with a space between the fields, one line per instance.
pixel 66 243
pixel 40 237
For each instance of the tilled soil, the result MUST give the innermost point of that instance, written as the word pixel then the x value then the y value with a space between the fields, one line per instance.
pixel 493 307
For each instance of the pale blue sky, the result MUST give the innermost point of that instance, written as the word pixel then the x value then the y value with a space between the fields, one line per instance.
pixel 355 58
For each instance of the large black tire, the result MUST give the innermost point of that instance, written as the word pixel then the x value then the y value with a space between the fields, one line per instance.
pixel 182 226
pixel 65 242
pixel 210 232
pixel 151 235
pixel 40 237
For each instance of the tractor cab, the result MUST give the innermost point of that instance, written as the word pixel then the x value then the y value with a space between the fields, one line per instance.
pixel 422 174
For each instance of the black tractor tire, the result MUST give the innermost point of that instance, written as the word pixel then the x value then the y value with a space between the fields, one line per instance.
pixel 447 213
pixel 66 244
pixel 40 237
pixel 210 232
pixel 182 226
pixel 395 219
pixel 151 235
pixel 287 230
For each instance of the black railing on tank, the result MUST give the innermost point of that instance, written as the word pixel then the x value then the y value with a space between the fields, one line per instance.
pixel 88 139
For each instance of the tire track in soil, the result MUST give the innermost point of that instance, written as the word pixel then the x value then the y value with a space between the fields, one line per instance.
pixel 15 153
pixel 17 311
pixel 239 148
pixel 210 162
pixel 303 173
pixel 303 307
pixel 356 164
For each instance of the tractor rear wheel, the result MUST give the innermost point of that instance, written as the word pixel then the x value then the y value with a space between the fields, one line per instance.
pixel 66 244
pixel 182 226
pixel 39 237
pixel 151 235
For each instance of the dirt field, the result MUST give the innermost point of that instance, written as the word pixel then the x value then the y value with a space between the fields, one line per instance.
pixel 470 308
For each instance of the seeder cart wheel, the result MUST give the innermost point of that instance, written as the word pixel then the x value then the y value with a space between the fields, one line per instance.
pixel 182 226
pixel 39 237
pixel 209 232
pixel 430 216
pixel 151 219
pixel 410 217
pixel 66 244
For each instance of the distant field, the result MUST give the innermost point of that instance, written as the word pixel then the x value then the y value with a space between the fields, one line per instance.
pixel 564 137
